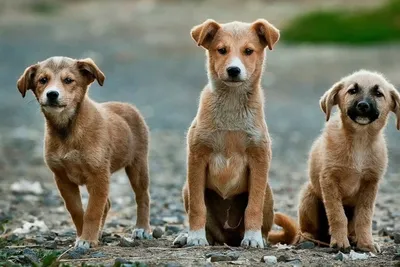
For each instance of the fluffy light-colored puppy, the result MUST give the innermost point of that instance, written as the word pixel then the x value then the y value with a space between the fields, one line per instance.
pixel 85 142
pixel 348 161
pixel 227 195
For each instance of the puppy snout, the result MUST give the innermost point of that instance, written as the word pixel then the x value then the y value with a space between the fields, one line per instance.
pixel 52 96
pixel 233 72
pixel 363 106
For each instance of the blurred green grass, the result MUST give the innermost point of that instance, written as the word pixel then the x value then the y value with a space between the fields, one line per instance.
pixel 372 26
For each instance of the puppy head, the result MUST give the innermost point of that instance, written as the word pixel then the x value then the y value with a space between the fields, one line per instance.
pixel 364 97
pixel 59 83
pixel 235 50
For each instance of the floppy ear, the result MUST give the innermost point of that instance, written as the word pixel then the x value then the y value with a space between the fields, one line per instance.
pixel 25 82
pixel 89 69
pixel 329 99
pixel 267 33
pixel 204 33
pixel 396 105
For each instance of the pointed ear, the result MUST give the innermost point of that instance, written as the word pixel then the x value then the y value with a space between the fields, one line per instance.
pixel 90 70
pixel 204 33
pixel 25 82
pixel 396 105
pixel 329 99
pixel 268 34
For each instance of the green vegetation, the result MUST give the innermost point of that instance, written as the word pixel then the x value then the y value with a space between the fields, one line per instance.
pixel 379 25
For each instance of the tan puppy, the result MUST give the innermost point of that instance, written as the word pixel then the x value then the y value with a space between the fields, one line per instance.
pixel 227 195
pixel 347 162
pixel 85 142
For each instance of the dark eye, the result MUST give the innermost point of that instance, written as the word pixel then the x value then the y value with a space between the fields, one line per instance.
pixel 68 80
pixel 378 94
pixel 222 51
pixel 43 80
pixel 354 90
pixel 248 51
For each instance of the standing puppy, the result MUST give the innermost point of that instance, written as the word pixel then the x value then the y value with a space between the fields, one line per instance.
pixel 227 196
pixel 347 162
pixel 85 142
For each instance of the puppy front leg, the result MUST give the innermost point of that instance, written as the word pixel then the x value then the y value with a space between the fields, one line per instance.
pixel 259 160
pixel 197 207
pixel 72 200
pixel 337 219
pixel 364 211
pixel 98 192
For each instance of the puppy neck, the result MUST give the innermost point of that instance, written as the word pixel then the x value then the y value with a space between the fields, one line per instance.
pixel 63 123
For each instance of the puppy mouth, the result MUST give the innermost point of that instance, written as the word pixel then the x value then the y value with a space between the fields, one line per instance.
pixel 53 105
pixel 233 82
pixel 363 119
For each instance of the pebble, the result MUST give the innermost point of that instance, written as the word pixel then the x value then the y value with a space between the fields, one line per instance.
pixel 269 259
pixel 340 256
pixel 218 256
pixel 158 232
pixel 306 245
pixel 396 257
pixel 31 255
pixel 174 219
pixel 358 256
pixel 98 255
pixel 76 253
pixel 295 263
pixel 396 237
pixel 125 242
pixel 283 258
pixel 384 232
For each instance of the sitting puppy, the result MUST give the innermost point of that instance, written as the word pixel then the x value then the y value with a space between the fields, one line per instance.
pixel 85 142
pixel 227 195
pixel 348 161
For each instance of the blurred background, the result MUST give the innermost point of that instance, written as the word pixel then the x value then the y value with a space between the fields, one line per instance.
pixel 149 59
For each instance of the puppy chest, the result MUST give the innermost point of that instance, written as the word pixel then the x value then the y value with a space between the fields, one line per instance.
pixel 227 174
pixel 73 164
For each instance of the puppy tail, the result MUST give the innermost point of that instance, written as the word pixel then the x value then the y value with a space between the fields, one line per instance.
pixel 288 235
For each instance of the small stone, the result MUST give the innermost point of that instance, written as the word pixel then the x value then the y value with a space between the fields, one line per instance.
pixel 306 245
pixel 396 237
pixel 158 232
pixel 172 219
pixel 31 255
pixel 173 264
pixel 396 257
pixel 39 240
pixel 77 253
pixel 384 232
pixel 125 242
pixel 340 256
pixel 218 256
pixel 51 245
pixel 269 259
pixel 283 258
pixel 358 256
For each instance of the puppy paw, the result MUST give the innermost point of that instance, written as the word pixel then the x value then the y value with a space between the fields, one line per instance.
pixel 369 246
pixel 197 238
pixel 180 240
pixel 340 242
pixel 253 239
pixel 85 244
pixel 140 234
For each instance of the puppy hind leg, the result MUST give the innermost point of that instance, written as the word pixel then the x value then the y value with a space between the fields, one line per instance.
pixel 138 175
pixel 103 219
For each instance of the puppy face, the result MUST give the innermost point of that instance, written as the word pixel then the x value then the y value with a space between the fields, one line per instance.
pixel 59 83
pixel 235 50
pixel 364 97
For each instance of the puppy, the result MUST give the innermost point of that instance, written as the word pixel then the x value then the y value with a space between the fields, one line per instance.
pixel 226 195
pixel 85 142
pixel 348 161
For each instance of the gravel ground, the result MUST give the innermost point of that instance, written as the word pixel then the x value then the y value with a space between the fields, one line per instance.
pixel 149 60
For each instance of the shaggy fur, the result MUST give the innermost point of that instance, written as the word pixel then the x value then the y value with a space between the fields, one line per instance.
pixel 348 161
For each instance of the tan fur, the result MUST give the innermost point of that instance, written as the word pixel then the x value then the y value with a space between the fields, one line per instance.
pixel 229 149
pixel 85 142
pixel 346 164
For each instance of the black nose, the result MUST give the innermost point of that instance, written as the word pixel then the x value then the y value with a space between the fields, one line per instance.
pixel 233 71
pixel 363 106
pixel 52 95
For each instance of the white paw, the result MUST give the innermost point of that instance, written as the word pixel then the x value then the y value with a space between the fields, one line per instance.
pixel 141 234
pixel 83 244
pixel 181 240
pixel 253 239
pixel 197 238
